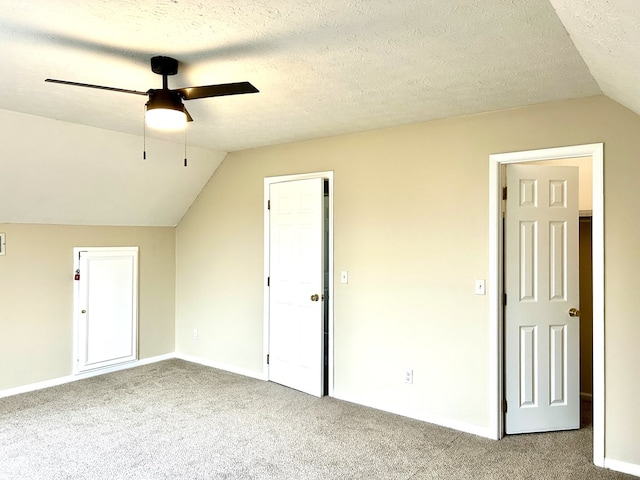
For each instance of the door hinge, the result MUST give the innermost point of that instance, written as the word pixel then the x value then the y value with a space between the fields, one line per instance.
pixel 504 299
pixel 268 204
pixel 267 359
pixel 504 193
pixel 504 406
pixel 268 281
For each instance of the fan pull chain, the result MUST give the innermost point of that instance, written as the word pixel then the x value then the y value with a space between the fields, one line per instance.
pixel 144 137
pixel 185 146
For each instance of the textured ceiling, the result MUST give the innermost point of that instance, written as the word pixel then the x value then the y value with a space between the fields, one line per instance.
pixel 607 35
pixel 323 67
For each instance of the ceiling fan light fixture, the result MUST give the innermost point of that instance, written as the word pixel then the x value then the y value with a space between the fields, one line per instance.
pixel 165 119
pixel 165 111
pixel 164 108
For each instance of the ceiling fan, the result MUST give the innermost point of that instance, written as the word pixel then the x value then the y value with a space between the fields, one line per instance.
pixel 165 109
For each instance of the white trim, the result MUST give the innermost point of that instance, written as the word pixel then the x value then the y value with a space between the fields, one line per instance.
pixel 624 467
pixel 391 408
pixel 73 378
pixel 220 366
pixel 288 178
pixel 596 152
pixel 496 391
pixel 597 245
pixel 419 415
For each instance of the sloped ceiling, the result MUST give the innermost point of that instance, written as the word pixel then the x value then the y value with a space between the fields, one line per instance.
pixel 607 36
pixel 322 68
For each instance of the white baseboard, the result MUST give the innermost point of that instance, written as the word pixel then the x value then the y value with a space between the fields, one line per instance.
pixel 73 378
pixel 156 359
pixel 434 419
pixel 220 366
pixel 9 392
pixel 623 467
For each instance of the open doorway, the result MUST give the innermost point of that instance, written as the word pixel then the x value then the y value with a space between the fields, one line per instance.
pixel 541 291
pixel 548 331
pixel 586 320
pixel 595 153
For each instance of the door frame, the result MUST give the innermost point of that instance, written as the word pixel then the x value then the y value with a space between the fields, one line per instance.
pixel 76 306
pixel 496 291
pixel 328 175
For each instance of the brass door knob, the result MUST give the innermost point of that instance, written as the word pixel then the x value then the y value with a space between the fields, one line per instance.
pixel 574 312
pixel 315 297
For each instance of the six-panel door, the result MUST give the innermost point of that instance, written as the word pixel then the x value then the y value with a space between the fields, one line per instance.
pixel 541 285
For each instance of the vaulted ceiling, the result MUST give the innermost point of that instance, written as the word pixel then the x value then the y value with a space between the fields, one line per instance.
pixel 323 68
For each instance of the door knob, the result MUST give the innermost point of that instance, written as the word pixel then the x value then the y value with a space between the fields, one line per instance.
pixel 83 311
pixel 574 312
pixel 315 297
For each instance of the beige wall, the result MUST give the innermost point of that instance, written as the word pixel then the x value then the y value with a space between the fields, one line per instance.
pixel 411 226
pixel 36 318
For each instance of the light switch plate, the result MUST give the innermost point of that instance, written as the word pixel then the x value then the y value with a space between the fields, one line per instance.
pixel 480 287
pixel 344 276
pixel 2 244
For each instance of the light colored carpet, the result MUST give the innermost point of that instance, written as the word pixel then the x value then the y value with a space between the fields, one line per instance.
pixel 178 420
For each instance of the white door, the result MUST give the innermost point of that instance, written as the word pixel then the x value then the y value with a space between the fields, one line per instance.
pixel 542 370
pixel 106 307
pixel 296 284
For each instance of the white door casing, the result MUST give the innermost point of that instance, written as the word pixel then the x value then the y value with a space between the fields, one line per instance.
pixel 497 161
pixel 106 306
pixel 541 286
pixel 296 279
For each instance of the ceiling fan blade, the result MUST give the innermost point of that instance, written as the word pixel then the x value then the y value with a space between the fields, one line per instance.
pixel 100 87
pixel 191 93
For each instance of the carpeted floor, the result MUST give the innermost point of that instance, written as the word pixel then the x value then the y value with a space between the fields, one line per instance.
pixel 178 420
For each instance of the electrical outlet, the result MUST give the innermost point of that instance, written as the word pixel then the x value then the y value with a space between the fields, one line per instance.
pixel 195 333
pixel 408 375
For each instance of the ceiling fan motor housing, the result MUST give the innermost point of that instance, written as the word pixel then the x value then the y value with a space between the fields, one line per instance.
pixel 165 99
